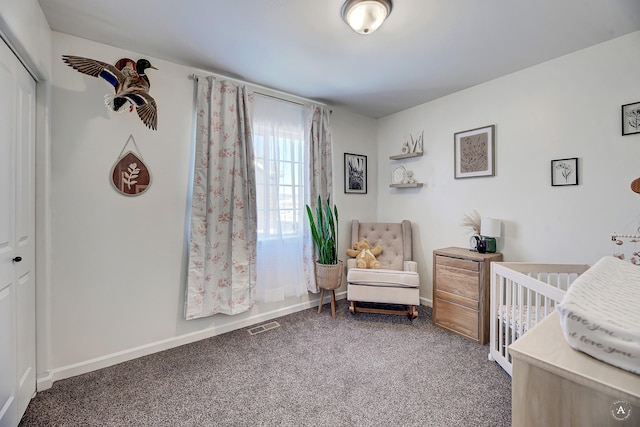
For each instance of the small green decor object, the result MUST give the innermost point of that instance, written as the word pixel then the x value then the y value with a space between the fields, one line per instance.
pixel 324 231
pixel 490 245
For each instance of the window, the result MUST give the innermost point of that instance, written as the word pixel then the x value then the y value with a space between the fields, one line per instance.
pixel 279 149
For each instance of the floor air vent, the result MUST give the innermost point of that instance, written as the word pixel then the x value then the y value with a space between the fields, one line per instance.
pixel 263 328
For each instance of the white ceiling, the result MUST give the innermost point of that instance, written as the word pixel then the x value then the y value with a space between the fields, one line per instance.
pixel 425 50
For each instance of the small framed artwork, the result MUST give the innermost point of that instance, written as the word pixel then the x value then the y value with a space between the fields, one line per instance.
pixel 355 173
pixel 474 152
pixel 631 118
pixel 564 172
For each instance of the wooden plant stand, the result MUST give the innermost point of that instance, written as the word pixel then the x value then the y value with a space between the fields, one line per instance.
pixel 333 301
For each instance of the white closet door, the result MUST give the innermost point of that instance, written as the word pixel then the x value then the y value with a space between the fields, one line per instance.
pixel 17 227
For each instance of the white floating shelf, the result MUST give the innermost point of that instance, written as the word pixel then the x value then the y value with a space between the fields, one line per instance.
pixel 405 156
pixel 414 185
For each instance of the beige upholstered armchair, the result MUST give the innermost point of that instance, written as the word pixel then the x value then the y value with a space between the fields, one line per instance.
pixel 396 282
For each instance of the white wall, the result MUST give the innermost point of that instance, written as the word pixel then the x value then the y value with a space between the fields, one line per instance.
pixel 567 107
pixel 119 262
pixel 354 134
pixel 117 272
pixel 23 23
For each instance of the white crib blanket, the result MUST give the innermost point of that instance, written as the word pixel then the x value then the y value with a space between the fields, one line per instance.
pixel 522 318
pixel 600 313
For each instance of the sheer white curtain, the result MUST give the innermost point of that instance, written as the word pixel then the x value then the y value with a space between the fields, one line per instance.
pixel 222 255
pixel 279 146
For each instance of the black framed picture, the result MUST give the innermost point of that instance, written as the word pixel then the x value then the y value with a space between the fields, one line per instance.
pixel 355 173
pixel 473 152
pixel 564 172
pixel 631 118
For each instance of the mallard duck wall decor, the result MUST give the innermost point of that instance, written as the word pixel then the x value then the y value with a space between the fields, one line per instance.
pixel 129 81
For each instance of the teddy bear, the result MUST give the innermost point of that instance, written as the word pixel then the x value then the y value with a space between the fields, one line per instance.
pixel 364 254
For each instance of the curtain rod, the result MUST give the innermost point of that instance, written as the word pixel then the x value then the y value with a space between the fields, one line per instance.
pixel 194 76
pixel 278 98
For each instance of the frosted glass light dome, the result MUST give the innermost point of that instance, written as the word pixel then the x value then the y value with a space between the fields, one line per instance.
pixel 365 16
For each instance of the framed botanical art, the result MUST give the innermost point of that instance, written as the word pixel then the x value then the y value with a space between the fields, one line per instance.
pixel 631 118
pixel 564 172
pixel 474 152
pixel 355 173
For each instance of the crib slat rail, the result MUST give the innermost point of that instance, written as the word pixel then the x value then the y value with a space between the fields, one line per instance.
pixel 521 295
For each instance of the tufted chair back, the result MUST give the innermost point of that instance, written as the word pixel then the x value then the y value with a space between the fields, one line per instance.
pixel 395 239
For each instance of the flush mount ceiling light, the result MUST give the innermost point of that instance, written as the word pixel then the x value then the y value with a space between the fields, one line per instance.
pixel 365 16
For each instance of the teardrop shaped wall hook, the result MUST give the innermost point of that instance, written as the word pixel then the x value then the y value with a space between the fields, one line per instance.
pixel 130 175
pixel 635 185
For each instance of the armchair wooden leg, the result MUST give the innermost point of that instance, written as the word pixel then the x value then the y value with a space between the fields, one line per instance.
pixel 321 299
pixel 412 311
pixel 352 307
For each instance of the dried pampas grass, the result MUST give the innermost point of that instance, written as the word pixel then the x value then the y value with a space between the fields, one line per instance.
pixel 472 221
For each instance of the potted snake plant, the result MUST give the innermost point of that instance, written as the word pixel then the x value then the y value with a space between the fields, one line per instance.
pixel 324 231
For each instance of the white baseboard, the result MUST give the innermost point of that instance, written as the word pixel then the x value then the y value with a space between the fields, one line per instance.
pixel 426 301
pixel 46 381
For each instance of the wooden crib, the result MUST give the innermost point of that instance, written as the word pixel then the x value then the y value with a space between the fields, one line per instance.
pixel 522 294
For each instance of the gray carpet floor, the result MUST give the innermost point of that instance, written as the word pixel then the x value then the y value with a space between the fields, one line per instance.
pixel 362 370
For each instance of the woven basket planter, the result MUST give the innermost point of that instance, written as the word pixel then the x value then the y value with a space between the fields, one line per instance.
pixel 329 276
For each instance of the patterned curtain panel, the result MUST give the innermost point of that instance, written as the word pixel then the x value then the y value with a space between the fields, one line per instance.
pixel 320 178
pixel 223 238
